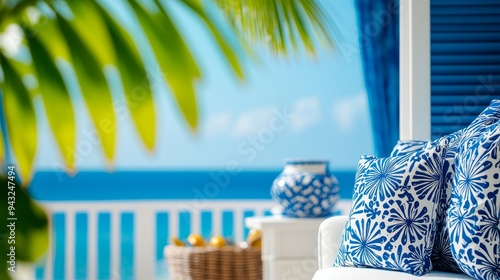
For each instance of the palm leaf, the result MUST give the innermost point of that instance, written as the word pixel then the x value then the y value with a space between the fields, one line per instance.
pixel 224 46
pixel 288 29
pixel 93 86
pixel 2 148
pixel 88 23
pixel 57 102
pixel 134 77
pixel 32 233
pixel 300 24
pixel 20 119
pixel 49 34
pixel 275 24
pixel 174 58
pixel 321 23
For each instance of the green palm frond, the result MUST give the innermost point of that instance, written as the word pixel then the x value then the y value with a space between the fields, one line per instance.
pixel 89 38
pixel 20 117
pixel 55 96
pixel 283 27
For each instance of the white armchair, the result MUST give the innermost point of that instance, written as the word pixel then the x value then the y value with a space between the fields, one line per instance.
pixel 329 239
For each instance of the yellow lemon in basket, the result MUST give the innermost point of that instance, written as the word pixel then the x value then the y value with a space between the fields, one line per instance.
pixel 254 238
pixel 177 242
pixel 253 234
pixel 256 243
pixel 217 241
pixel 196 240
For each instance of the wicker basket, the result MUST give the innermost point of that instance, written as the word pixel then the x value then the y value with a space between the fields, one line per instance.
pixel 227 263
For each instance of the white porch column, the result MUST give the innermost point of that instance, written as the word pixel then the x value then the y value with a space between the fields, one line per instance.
pixel 415 70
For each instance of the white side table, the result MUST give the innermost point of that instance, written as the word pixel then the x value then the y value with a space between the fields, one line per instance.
pixel 289 246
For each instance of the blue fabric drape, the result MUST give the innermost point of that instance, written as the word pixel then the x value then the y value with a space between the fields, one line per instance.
pixel 378 22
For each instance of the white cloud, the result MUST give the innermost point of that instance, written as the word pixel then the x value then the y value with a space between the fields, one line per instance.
pixel 253 121
pixel 306 112
pixel 217 124
pixel 347 111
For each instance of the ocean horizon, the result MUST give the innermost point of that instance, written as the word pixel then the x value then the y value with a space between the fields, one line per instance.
pixel 178 184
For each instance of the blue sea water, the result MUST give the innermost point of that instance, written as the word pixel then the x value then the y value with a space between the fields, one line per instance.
pixel 138 185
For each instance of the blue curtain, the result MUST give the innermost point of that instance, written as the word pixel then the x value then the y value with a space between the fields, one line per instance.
pixel 378 22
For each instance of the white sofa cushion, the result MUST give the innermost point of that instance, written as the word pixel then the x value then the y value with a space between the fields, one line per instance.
pixel 329 239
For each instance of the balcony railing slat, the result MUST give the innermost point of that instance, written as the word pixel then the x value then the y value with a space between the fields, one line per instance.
pixel 144 245
pixel 69 245
pixel 115 237
pixel 238 224
pixel 92 244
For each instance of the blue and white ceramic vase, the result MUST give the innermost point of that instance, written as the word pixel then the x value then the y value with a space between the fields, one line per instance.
pixel 306 189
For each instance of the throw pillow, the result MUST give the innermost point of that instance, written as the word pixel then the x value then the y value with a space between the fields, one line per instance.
pixel 441 257
pixel 489 116
pixel 393 217
pixel 474 212
pixel 404 147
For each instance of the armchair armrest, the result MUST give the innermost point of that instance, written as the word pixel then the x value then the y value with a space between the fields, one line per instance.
pixel 329 239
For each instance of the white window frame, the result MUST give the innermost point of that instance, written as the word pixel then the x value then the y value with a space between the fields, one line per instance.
pixel 415 70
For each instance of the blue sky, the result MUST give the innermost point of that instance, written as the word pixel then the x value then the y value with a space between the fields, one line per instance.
pixel 298 108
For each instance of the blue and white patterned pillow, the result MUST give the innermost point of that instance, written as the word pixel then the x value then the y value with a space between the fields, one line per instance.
pixel 474 212
pixel 488 116
pixel 393 217
pixel 404 147
pixel 441 257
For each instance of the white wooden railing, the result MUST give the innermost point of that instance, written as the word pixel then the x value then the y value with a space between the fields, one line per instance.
pixel 144 239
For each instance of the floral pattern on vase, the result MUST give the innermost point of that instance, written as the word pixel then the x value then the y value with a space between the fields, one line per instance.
pixel 306 189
